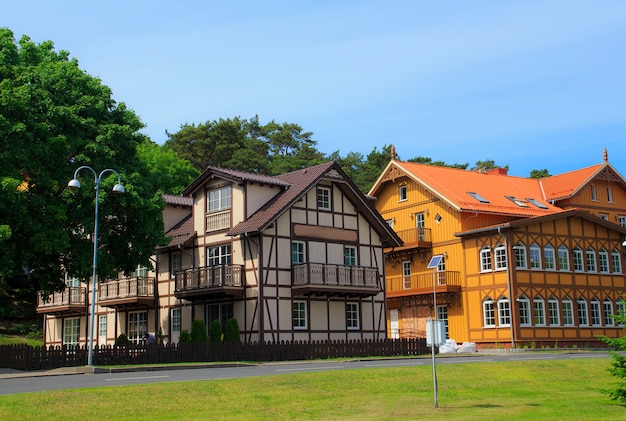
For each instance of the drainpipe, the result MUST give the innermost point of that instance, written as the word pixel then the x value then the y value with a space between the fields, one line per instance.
pixel 508 286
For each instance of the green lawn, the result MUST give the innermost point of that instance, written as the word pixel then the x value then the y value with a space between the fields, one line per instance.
pixel 525 390
pixel 15 339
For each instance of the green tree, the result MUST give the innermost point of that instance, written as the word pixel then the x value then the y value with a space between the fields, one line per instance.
pixel 198 331
pixel 290 148
pixel 54 117
pixel 215 331
pixel 540 173
pixel 618 365
pixel 231 332
pixel 173 172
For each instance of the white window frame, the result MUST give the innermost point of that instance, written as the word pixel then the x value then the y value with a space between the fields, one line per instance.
pixel 298 252
pixel 524 311
pixel 622 220
pixel 553 312
pixel 583 313
pixel 616 261
pixel 603 261
pixel 608 312
pixel 489 313
pixel 539 311
pixel 596 312
pixel 177 261
pixel 175 319
pixel 520 256
pixel 402 196
pixel 71 330
pixel 406 274
pixel 590 260
pixel 609 194
pixel 579 260
pixel 563 258
pixel 535 256
pixel 621 309
pixel 137 325
pixel 299 315
pixel 594 193
pixel 567 306
pixel 218 255
pixel 352 316
pixel 442 315
pixel 504 312
pixel 485 259
pixel 102 326
pixel 549 260
pixel 350 257
pixel 323 198
pixel 219 199
pixel 500 257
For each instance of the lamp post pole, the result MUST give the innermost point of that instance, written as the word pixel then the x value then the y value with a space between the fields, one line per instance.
pixel 434 331
pixel 118 188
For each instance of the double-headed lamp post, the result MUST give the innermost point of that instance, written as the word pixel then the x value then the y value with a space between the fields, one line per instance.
pixel 118 188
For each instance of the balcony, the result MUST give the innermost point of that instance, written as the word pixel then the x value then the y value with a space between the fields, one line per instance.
pixel 210 281
pixel 415 237
pixel 216 221
pixel 127 293
pixel 70 301
pixel 422 284
pixel 322 279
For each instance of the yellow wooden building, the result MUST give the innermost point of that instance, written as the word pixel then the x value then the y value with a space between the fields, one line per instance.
pixel 526 262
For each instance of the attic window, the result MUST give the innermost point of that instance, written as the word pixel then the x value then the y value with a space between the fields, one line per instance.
pixel 537 203
pixel 519 202
pixel 478 197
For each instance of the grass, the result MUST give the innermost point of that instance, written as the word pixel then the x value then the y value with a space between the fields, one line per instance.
pixel 15 339
pixel 524 390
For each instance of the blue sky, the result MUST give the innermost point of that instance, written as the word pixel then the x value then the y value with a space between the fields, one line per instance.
pixel 532 84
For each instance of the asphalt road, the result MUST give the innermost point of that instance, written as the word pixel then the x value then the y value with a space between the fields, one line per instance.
pixel 38 382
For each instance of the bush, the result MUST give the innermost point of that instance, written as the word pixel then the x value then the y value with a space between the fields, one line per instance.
pixel 232 331
pixel 122 340
pixel 185 337
pixel 215 332
pixel 618 366
pixel 198 331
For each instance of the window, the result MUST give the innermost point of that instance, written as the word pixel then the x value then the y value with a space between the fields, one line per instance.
pixel 102 326
pixel 70 331
pixel 323 198
pixel 520 256
pixel 352 316
pixel 349 256
pixel 299 315
pixel 539 315
pixel 140 272
pixel 616 261
pixel 537 203
pixel 500 257
pixel 622 220
pixel 402 193
pixel 609 194
pixel 591 260
pixel 485 259
pixel 177 262
pixel 578 260
pixel 137 325
pixel 504 312
pixel 596 314
pixel 221 312
pixel 219 199
pixel 594 194
pixel 218 255
pixel 478 197
pixel 175 322
pixel 553 311
pixel 489 315
pixel 519 202
pixel 608 312
pixel 563 257
pixel 535 256
pixel 524 311
pixel 438 218
pixel 604 216
pixel 548 257
pixel 73 284
pixel 621 309
pixel 442 314
pixel 390 222
pixel 603 261
pixel 297 253
pixel 568 312
pixel 441 266
pixel 420 223
pixel 583 316
pixel 406 274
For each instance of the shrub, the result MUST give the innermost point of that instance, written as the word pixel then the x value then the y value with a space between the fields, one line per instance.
pixel 618 366
pixel 232 331
pixel 122 340
pixel 198 331
pixel 185 337
pixel 215 331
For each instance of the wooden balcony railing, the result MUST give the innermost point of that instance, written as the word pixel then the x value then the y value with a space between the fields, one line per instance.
pixel 126 292
pixel 70 300
pixel 422 283
pixel 210 280
pixel 318 278
pixel 216 221
pixel 416 236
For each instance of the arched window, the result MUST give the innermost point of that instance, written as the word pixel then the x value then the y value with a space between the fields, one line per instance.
pixel 594 194
pixel 553 311
pixel 583 315
pixel 578 260
pixel 535 256
pixel 616 261
pixel 548 257
pixel 539 311
pixel 485 259
pixel 608 312
pixel 524 310
pixel 489 313
pixel 596 314
pixel 591 260
pixel 568 311
pixel 520 255
pixel 603 261
pixel 504 312
pixel 609 194
pixel 500 257
pixel 563 257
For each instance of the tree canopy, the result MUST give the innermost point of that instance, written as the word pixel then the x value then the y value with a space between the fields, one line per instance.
pixel 54 117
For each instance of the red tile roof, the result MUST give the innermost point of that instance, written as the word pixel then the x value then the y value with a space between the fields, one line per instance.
pixel 567 184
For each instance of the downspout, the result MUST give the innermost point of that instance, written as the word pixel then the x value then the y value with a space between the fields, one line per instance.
pixel 508 286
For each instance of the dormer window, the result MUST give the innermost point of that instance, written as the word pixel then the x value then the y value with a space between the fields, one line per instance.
pixel 219 199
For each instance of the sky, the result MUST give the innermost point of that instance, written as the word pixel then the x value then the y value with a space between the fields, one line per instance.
pixel 531 85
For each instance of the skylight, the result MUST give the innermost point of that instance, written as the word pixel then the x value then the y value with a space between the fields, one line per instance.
pixel 478 197
pixel 519 202
pixel 537 203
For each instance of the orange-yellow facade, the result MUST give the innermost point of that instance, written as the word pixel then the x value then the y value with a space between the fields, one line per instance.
pixel 526 262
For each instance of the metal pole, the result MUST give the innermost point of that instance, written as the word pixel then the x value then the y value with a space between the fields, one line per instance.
pixel 433 338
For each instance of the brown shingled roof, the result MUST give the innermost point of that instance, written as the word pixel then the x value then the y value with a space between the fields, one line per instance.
pixel 234 175
pixel 171 199
pixel 181 233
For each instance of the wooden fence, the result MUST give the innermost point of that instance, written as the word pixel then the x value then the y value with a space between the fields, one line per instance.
pixel 26 357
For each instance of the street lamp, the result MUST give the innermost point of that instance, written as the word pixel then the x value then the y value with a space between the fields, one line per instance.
pixel 118 188
pixel 434 326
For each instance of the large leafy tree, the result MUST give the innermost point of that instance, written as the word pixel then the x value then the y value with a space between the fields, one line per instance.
pixel 54 117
